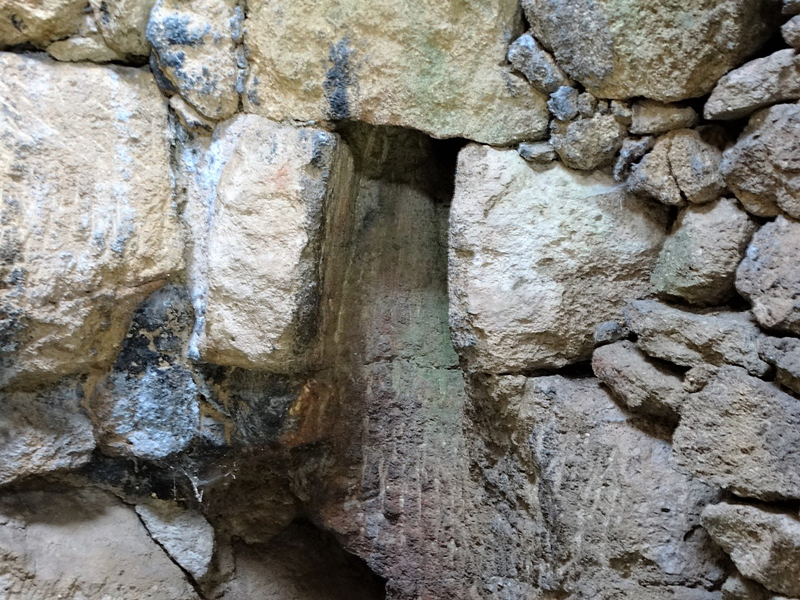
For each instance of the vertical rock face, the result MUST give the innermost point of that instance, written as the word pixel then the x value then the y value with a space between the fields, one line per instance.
pixel 430 65
pixel 88 221
pixel 599 504
pixel 666 51
pixel 258 214
pixel 540 257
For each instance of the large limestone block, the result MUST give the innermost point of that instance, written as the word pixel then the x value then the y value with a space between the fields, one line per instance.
pixel 81 545
pixel 769 276
pixel 659 49
pixel 43 431
pixel 742 434
pixel 257 212
pixel 610 495
pixel 429 65
pixel 39 22
pixel 88 223
pixel 763 544
pixel 195 47
pixel 540 257
pixel 763 167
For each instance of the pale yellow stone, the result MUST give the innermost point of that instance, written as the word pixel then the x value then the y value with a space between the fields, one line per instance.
pixel 88 223
pixel 90 48
pixel 39 22
pixel 256 208
pixel 123 24
pixel 433 65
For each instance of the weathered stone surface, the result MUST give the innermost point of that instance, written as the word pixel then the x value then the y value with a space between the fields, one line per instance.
pixel 538 258
pixel 123 24
pixel 88 222
pixel 563 103
pixel 189 117
pixel 83 48
pixel 784 355
pixel 184 534
pixel 737 587
pixel 668 52
pixel 539 67
pixel 759 83
pixel 257 211
pixel 699 259
pixel 632 151
pixel 695 165
pixel 638 382
pixel 540 152
pixel 194 44
pixel 742 434
pixel 431 65
pixel 81 545
pixel 587 143
pixel 39 22
pixel 43 431
pixel 691 339
pixel 763 168
pixel 681 167
pixel 791 7
pixel 651 117
pixel 600 480
pixel 148 406
pixel 609 332
pixel 764 544
pixel 653 176
pixel 769 278
pixel 791 32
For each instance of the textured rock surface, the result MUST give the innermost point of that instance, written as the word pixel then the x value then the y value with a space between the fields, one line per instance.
pixel 641 384
pixel 681 167
pixel 39 23
pixel 600 480
pixel 699 258
pixel 393 64
pixel 148 406
pixel 123 24
pixel 83 48
pixel 742 434
pixel 762 168
pixel 573 248
pixel 194 45
pixel 539 67
pixel 184 534
pixel 769 278
pixel 651 117
pixel 669 52
pixel 80 545
pixel 257 211
pixel 759 83
pixel 791 32
pixel 784 355
pixel 764 545
pixel 587 143
pixel 88 222
pixel 694 339
pixel 43 431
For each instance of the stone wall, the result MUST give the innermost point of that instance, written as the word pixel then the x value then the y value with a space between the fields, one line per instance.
pixel 424 300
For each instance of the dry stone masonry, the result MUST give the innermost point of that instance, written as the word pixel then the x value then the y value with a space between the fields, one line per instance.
pixel 423 300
